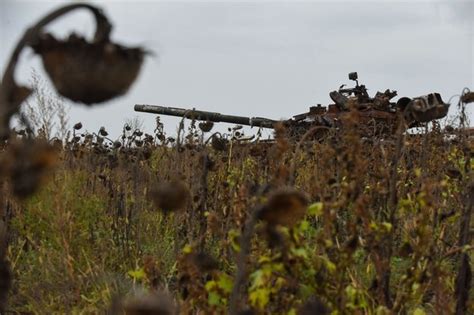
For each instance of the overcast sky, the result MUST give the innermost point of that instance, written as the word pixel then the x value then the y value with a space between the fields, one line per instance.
pixel 266 58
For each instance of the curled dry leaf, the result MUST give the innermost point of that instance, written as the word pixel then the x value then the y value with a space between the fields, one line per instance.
pixel 453 172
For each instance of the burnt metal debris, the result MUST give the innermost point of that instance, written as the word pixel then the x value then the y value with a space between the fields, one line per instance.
pixel 377 115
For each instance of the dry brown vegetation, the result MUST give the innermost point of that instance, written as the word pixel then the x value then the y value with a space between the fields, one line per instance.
pixel 342 225
pixel 210 224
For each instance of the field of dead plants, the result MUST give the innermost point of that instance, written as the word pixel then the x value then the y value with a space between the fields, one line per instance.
pixel 150 224
pixel 206 223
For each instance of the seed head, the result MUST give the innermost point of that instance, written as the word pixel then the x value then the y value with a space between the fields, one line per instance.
pixel 78 126
pixel 284 207
pixel 26 164
pixel 103 132
pixel 170 196
pixel 218 143
pixel 206 126
pixel 150 304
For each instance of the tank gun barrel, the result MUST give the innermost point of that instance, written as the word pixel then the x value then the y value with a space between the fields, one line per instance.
pixel 206 116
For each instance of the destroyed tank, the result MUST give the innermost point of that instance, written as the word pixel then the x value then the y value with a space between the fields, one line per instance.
pixel 372 116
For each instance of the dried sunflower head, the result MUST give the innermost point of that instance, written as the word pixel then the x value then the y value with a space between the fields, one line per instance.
pixel 78 126
pixel 170 196
pixel 206 126
pixel 218 143
pixel 284 207
pixel 26 163
pixel 147 304
pixel 89 72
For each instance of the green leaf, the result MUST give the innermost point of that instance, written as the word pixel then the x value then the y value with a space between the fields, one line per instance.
pixel 316 209
pixel 187 249
pixel 234 240
pixel 225 282
pixel 419 311
pixel 415 286
pixel 351 292
pixel 210 285
pixel 306 291
pixel 387 226
pixel 417 172
pixel 300 252
pixel 330 266
pixel 304 226
pixel 213 298
pixel 258 279
pixel 382 310
pixel 260 298
pixel 263 259
pixel 137 274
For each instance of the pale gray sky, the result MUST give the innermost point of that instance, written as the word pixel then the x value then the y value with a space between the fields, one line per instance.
pixel 266 58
